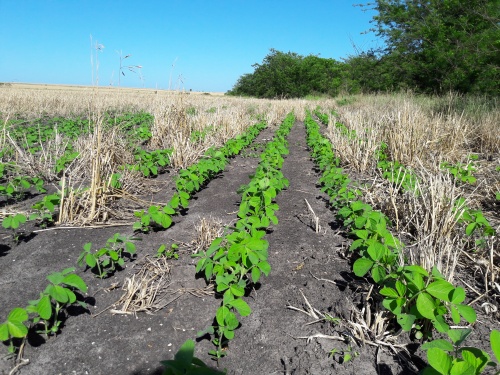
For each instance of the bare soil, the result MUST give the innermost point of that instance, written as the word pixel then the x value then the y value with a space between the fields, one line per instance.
pixel 272 340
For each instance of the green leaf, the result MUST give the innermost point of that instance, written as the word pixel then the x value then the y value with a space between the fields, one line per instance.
pixel 241 306
pixel 58 293
pixel 455 315
pixel 440 289
pixel 76 282
pixel 458 336
pixel 406 321
pixel 389 292
pixel 378 274
pixel 376 251
pixel 186 352
pixel 470 228
pixel 17 328
pixel 255 274
pixel 237 290
pixel 361 266
pixel 439 360
pixel 458 295
pixel 467 312
pixel 440 343
pixel 221 314
pixel 495 343
pixel 19 314
pixel 426 305
pixel 4 332
pixel 44 307
pixel 462 368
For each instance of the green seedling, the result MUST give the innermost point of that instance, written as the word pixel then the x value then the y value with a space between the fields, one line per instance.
pixel 154 216
pixel 185 362
pixel 106 260
pixel 44 210
pixel 56 297
pixel 169 254
pixel 13 222
pixel 14 328
pixel 449 358
pixel 462 172
pixel 238 259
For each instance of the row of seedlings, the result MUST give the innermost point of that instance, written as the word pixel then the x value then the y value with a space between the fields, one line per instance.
pixel 420 301
pixel 62 292
pixel 404 178
pixel 237 260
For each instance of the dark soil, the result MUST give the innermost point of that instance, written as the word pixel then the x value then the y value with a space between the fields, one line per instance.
pixel 269 340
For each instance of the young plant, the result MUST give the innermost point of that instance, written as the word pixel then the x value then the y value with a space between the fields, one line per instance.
pixel 14 328
pixel 449 358
pixel 185 362
pixel 106 260
pixel 169 254
pixel 154 216
pixel 56 297
pixel 45 209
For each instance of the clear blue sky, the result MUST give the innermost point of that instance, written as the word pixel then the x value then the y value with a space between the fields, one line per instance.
pixel 207 44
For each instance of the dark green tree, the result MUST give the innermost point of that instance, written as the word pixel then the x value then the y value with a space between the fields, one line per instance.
pixel 441 45
pixel 290 75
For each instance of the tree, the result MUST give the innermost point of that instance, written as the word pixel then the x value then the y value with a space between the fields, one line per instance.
pixel 441 45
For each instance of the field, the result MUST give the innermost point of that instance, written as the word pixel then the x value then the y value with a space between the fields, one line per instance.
pixel 329 236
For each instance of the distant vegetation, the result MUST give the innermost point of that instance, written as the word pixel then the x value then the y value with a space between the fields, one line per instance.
pixel 431 46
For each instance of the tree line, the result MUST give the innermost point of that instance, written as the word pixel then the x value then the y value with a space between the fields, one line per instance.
pixel 430 46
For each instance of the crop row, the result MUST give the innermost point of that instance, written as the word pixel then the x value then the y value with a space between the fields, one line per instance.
pixel 237 260
pixel 418 300
pixel 47 312
pixel 406 179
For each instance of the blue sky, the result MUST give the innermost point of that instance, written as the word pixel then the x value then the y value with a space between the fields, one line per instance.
pixel 203 45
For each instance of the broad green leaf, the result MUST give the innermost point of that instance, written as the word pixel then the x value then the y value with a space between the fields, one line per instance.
pixel 255 275
pixel 229 334
pixel 462 368
pixel 221 314
pixel 406 321
pixel 470 228
pixel 440 324
pixel 467 312
pixel 458 335
pixel 376 251
pixel 55 278
pixel 439 343
pixel 361 266
pixel 495 343
pixel 401 288
pixel 237 290
pixel 439 360
pixel 58 293
pixel 17 328
pixel 4 332
pixel 458 295
pixel 165 221
pixel 186 352
pixel 44 308
pixel 417 269
pixel 426 305
pixel 241 306
pixel 476 357
pixel 264 267
pixel 455 315
pixel 17 314
pixel 440 289
pixel 378 274
pixel 389 292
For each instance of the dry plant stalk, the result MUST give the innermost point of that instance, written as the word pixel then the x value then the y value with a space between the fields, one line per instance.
pixel 148 290
pixel 207 230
